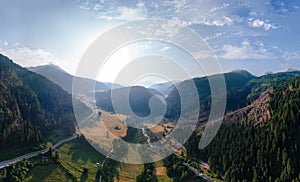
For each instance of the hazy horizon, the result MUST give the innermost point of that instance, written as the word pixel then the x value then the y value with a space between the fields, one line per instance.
pixel 149 83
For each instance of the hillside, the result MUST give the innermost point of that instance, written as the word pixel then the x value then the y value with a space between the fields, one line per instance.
pixel 138 97
pixel 269 152
pixel 235 81
pixel 256 86
pixel 256 113
pixel 55 74
pixel 65 80
pixel 31 107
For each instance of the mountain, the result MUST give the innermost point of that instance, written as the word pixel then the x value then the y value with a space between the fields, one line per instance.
pixel 65 80
pixel 242 88
pixel 55 74
pixel 256 86
pixel 164 88
pixel 235 81
pixel 291 70
pixel 258 91
pixel 268 73
pixel 139 98
pixel 243 151
pixel 31 107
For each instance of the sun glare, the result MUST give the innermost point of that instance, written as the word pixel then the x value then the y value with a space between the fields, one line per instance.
pixel 114 64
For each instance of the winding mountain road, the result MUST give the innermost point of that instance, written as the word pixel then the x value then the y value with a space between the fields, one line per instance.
pixel 36 153
pixel 198 172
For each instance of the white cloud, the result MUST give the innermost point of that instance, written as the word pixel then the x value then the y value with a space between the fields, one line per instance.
pixel 97 7
pixel 291 56
pixel 213 36
pixel 222 21
pixel 176 4
pixel 218 8
pixel 257 23
pixel 219 22
pixel 120 12
pixel 27 57
pixel 245 51
pixel 125 13
pixel 5 43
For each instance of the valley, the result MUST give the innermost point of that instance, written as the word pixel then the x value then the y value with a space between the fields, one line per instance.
pixel 261 117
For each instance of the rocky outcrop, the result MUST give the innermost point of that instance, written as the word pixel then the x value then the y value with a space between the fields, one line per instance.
pixel 256 113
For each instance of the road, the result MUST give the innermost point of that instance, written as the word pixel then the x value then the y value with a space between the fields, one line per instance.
pixel 34 154
pixel 64 141
pixel 197 172
pixel 147 136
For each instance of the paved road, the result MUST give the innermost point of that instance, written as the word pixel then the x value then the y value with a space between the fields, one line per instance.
pixel 26 156
pixel 34 154
pixel 197 172
pixel 64 141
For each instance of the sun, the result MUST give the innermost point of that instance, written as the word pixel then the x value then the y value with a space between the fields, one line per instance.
pixel 114 64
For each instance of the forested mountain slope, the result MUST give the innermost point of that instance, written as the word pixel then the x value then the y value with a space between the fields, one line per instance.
pixel 31 107
pixel 235 82
pixel 244 152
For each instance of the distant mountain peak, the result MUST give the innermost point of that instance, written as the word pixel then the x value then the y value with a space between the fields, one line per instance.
pixel 46 66
pixel 240 71
pixel 55 66
pixel 268 73
pixel 291 70
pixel 65 80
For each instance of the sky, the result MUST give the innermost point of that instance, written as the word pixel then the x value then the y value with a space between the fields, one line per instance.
pixel 259 36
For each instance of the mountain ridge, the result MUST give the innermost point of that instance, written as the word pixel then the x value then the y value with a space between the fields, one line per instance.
pixel 31 107
pixel 65 80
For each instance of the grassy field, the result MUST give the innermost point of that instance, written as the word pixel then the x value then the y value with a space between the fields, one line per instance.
pixel 160 128
pixel 74 156
pixel 155 128
pixel 77 155
pixel 104 131
pixel 129 172
pixel 111 121
pixel 161 172
pixel 47 172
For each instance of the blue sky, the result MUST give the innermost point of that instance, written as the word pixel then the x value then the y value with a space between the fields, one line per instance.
pixel 259 36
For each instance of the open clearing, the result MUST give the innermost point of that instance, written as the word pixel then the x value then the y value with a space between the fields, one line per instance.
pixel 77 155
pixel 105 130
pixel 160 128
pixel 155 128
pixel 129 172
pixel 111 121
pixel 161 172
